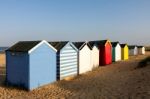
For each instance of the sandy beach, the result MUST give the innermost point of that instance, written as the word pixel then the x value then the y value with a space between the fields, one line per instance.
pixel 119 80
pixel 2 59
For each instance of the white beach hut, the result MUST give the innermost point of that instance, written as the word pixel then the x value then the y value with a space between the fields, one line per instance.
pixel 141 50
pixel 84 57
pixel 116 51
pixel 94 53
pixel 133 50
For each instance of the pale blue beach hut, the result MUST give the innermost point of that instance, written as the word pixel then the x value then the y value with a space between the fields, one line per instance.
pixel 31 64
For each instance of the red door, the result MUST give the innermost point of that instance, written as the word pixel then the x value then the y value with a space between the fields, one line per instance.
pixel 108 54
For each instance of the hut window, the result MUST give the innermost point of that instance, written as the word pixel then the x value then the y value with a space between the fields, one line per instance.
pixel 13 54
pixel 16 54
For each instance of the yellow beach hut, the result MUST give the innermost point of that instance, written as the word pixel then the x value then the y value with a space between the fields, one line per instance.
pixel 124 51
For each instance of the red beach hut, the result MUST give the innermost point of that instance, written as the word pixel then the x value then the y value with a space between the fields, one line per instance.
pixel 105 54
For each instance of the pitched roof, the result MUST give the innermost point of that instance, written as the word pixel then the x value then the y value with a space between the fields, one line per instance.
pixel 140 46
pixel 132 46
pixel 89 45
pixel 123 45
pixel 101 42
pixel 80 45
pixel 114 44
pixel 58 44
pixel 92 43
pixel 23 46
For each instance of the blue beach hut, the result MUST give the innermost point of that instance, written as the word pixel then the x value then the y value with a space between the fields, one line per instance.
pixel 31 64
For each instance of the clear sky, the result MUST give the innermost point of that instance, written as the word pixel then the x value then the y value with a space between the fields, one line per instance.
pixel 75 20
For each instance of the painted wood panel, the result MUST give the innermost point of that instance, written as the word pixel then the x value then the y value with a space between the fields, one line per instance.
pixel 141 50
pixel 105 53
pixel 125 53
pixel 42 66
pixel 17 69
pixel 108 54
pixel 95 57
pixel 116 53
pixel 68 63
pixel 133 51
pixel 31 70
pixel 85 60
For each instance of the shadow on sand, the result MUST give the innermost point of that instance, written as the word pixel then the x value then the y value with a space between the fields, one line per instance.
pixel 3 82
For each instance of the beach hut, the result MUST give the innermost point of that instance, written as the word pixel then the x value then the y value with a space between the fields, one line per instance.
pixel 105 52
pixel 67 59
pixel 116 51
pixel 30 64
pixel 84 57
pixel 133 50
pixel 124 51
pixel 95 54
pixel 141 50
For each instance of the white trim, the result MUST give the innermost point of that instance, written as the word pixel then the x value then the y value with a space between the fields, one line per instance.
pixel 82 45
pixel 71 44
pixel 43 41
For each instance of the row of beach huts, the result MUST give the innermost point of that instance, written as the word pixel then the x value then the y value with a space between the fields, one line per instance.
pixel 31 64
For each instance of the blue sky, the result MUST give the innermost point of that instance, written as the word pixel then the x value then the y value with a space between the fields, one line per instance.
pixel 75 20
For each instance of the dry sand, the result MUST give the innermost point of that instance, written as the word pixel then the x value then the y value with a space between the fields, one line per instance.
pixel 2 59
pixel 119 80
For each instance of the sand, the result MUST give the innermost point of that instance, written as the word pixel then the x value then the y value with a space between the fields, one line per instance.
pixel 2 59
pixel 119 80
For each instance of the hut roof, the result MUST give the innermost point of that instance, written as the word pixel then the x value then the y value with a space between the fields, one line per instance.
pixel 114 44
pixel 123 45
pixel 92 43
pixel 140 46
pixel 101 42
pixel 80 45
pixel 132 46
pixel 58 44
pixel 23 46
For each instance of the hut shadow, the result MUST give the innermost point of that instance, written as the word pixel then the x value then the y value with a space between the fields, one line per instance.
pixel 3 82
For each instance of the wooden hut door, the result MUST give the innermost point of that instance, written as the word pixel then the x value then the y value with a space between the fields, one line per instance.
pixel 108 52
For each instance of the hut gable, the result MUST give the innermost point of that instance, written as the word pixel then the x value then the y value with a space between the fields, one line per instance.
pixel 103 42
pixel 58 45
pixel 80 45
pixel 123 45
pixel 93 43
